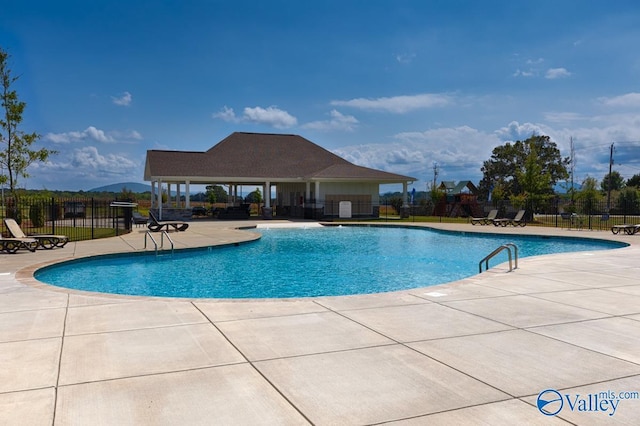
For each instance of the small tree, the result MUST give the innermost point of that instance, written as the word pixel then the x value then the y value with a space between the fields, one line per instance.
pixel 589 195
pixel 628 201
pixel 216 194
pixel 634 181
pixel 16 155
pixel 617 182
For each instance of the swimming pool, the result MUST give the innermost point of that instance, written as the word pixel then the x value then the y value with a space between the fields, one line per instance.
pixel 322 261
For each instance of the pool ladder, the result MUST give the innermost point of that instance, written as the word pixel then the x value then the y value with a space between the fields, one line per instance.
pixel 507 247
pixel 155 243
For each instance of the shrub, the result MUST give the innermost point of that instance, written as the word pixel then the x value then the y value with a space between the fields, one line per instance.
pixel 36 214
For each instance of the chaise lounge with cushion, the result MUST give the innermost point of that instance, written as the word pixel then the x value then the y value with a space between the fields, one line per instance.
pixel 45 241
pixel 156 225
pixel 12 245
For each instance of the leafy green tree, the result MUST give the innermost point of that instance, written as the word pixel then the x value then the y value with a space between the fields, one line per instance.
pixel 534 183
pixel 216 194
pixel 16 155
pixel 589 195
pixel 629 201
pixel 126 194
pixel 617 182
pixel 508 166
pixel 254 197
pixel 634 181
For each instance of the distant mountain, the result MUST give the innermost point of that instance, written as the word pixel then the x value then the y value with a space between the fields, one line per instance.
pixel 134 187
pixel 563 187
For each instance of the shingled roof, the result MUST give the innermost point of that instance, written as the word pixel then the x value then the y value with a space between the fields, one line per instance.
pixel 256 157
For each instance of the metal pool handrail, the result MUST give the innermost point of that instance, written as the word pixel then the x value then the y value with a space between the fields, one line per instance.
pixel 155 243
pixel 507 247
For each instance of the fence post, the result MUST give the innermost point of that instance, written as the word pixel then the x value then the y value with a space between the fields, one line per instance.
pixel 93 210
pixel 54 215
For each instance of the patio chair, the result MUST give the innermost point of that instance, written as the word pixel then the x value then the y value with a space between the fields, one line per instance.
pixel 12 245
pixel 45 241
pixel 156 225
pixel 485 220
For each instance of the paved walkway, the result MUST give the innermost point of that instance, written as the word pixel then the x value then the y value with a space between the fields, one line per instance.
pixel 476 351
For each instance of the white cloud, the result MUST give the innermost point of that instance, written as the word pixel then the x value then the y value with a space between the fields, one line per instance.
pixel 226 114
pixel 628 100
pixel 92 133
pixel 398 104
pixel 515 131
pixel 89 158
pixel 555 73
pixel 271 116
pixel 124 100
pixel 529 73
pixel 459 151
pixel 85 168
pixel 338 121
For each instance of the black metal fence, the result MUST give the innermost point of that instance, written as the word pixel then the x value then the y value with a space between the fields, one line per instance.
pixel 78 218
pixel 560 213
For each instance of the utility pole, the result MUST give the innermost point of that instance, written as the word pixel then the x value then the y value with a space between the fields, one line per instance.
pixel 435 173
pixel 572 154
pixel 609 186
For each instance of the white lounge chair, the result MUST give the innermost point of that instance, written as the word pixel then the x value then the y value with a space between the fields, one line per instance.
pixel 44 240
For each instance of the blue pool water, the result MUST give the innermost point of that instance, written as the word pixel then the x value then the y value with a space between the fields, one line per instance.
pixel 305 262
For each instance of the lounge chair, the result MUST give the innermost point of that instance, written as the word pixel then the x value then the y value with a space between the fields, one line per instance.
pixel 627 229
pixel 138 219
pixel 156 225
pixel 45 241
pixel 518 220
pixel 485 220
pixel 12 245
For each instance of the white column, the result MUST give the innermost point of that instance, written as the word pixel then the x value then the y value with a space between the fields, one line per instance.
pixel 317 192
pixel 307 192
pixel 187 195
pixel 178 201
pixel 168 194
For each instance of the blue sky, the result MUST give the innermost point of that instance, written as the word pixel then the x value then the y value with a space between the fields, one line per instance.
pixel 393 85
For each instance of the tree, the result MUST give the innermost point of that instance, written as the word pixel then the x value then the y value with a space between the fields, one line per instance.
pixel 634 181
pixel 16 155
pixel 628 201
pixel 216 194
pixel 254 197
pixel 617 182
pixel 589 195
pixel 507 166
pixel 534 183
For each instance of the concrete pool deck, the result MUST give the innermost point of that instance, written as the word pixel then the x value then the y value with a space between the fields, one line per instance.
pixel 479 350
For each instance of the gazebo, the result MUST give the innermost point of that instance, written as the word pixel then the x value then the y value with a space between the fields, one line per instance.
pixel 310 181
